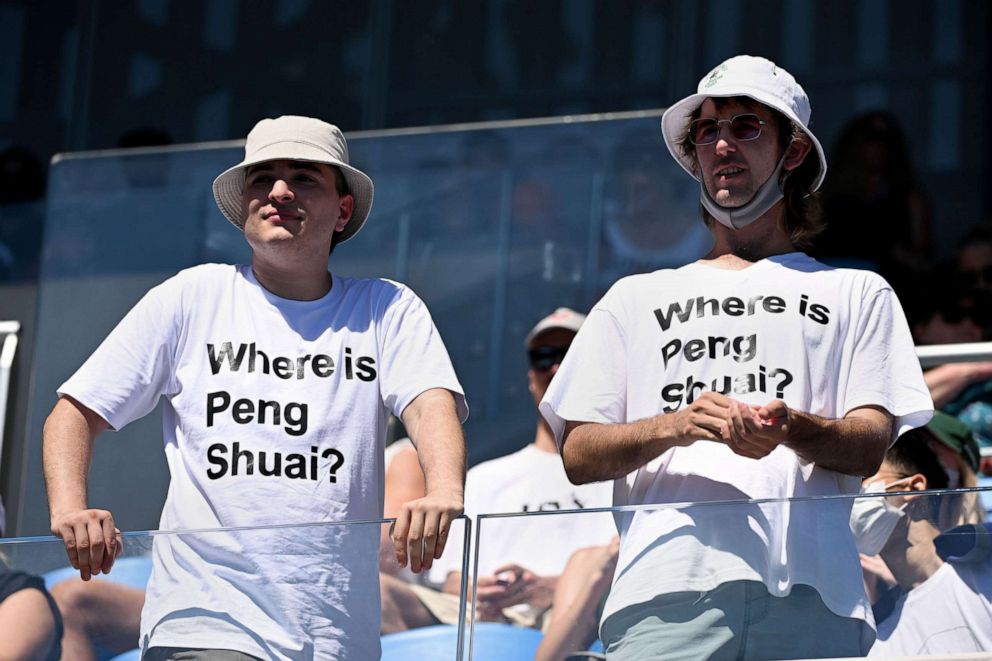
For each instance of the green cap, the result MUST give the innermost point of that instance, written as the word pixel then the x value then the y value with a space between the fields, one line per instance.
pixel 957 436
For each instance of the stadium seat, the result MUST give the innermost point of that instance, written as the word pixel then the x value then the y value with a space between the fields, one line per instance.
pixel 132 655
pixel 492 642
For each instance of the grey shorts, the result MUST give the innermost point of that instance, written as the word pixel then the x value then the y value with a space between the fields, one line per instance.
pixel 185 654
pixel 739 620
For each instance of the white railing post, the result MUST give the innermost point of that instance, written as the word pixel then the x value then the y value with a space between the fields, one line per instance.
pixel 966 352
pixel 8 347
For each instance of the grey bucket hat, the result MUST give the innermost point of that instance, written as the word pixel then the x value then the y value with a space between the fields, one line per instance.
pixel 296 139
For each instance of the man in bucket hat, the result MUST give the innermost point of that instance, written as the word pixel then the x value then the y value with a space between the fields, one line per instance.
pixel 277 380
pixel 752 374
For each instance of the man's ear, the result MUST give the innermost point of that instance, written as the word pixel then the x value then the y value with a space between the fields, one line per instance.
pixel 796 153
pixel 917 482
pixel 345 210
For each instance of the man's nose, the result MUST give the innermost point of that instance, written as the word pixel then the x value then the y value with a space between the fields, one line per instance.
pixel 725 142
pixel 280 192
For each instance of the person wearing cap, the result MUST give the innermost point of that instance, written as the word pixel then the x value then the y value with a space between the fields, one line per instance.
pixel 519 563
pixel 277 379
pixel 957 448
pixel 941 600
pixel 754 373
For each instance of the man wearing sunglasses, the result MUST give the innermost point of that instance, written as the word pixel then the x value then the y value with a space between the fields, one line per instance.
pixel 753 374
pixel 518 572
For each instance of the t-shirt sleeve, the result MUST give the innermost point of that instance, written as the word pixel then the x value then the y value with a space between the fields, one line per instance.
pixel 591 383
pixel 123 379
pixel 884 368
pixel 414 358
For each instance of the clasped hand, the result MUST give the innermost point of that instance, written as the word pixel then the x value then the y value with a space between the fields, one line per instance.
pixel 749 430
pixel 509 585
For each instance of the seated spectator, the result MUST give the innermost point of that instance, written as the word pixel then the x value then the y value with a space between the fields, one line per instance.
pixel 645 184
pixel 973 404
pixel 974 260
pixel 30 625
pixel 957 450
pixel 875 206
pixel 943 313
pixel 942 602
pixel 518 573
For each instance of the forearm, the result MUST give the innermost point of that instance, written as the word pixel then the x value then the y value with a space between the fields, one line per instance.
pixel 593 452
pixel 67 450
pixel 432 421
pixel 854 444
pixel 573 626
pixel 948 381
pixel 578 593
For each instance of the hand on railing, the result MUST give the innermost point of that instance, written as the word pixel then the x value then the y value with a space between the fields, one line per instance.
pixel 92 542
pixel 421 529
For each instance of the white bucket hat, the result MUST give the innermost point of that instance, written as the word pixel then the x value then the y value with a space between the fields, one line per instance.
pixel 743 75
pixel 295 139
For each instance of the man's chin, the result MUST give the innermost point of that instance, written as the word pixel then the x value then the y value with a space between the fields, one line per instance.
pixel 730 200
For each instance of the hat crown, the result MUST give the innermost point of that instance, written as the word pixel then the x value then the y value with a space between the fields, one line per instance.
pixel 747 74
pixel 294 138
pixel 562 317
pixel 292 129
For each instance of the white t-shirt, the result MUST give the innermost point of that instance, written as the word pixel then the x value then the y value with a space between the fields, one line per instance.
pixel 274 413
pixel 950 612
pixel 824 340
pixel 530 480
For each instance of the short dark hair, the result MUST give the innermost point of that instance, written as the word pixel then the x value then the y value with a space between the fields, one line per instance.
pixel 803 210
pixel 912 454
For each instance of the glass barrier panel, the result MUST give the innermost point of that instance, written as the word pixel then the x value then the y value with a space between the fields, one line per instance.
pixel 494 227
pixel 21 227
pixel 325 590
pixel 894 574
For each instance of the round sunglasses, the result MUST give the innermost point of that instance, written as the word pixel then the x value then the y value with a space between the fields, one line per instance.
pixel 706 131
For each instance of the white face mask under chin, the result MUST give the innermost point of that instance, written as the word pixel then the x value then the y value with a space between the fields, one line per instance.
pixel 874 519
pixel 767 196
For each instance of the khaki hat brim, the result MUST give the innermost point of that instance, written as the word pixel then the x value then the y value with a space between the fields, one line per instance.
pixel 229 185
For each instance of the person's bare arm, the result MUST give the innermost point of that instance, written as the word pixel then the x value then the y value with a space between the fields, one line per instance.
pixel 593 452
pixel 948 381
pixel 854 444
pixel 89 535
pixel 577 595
pixel 27 626
pixel 422 525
